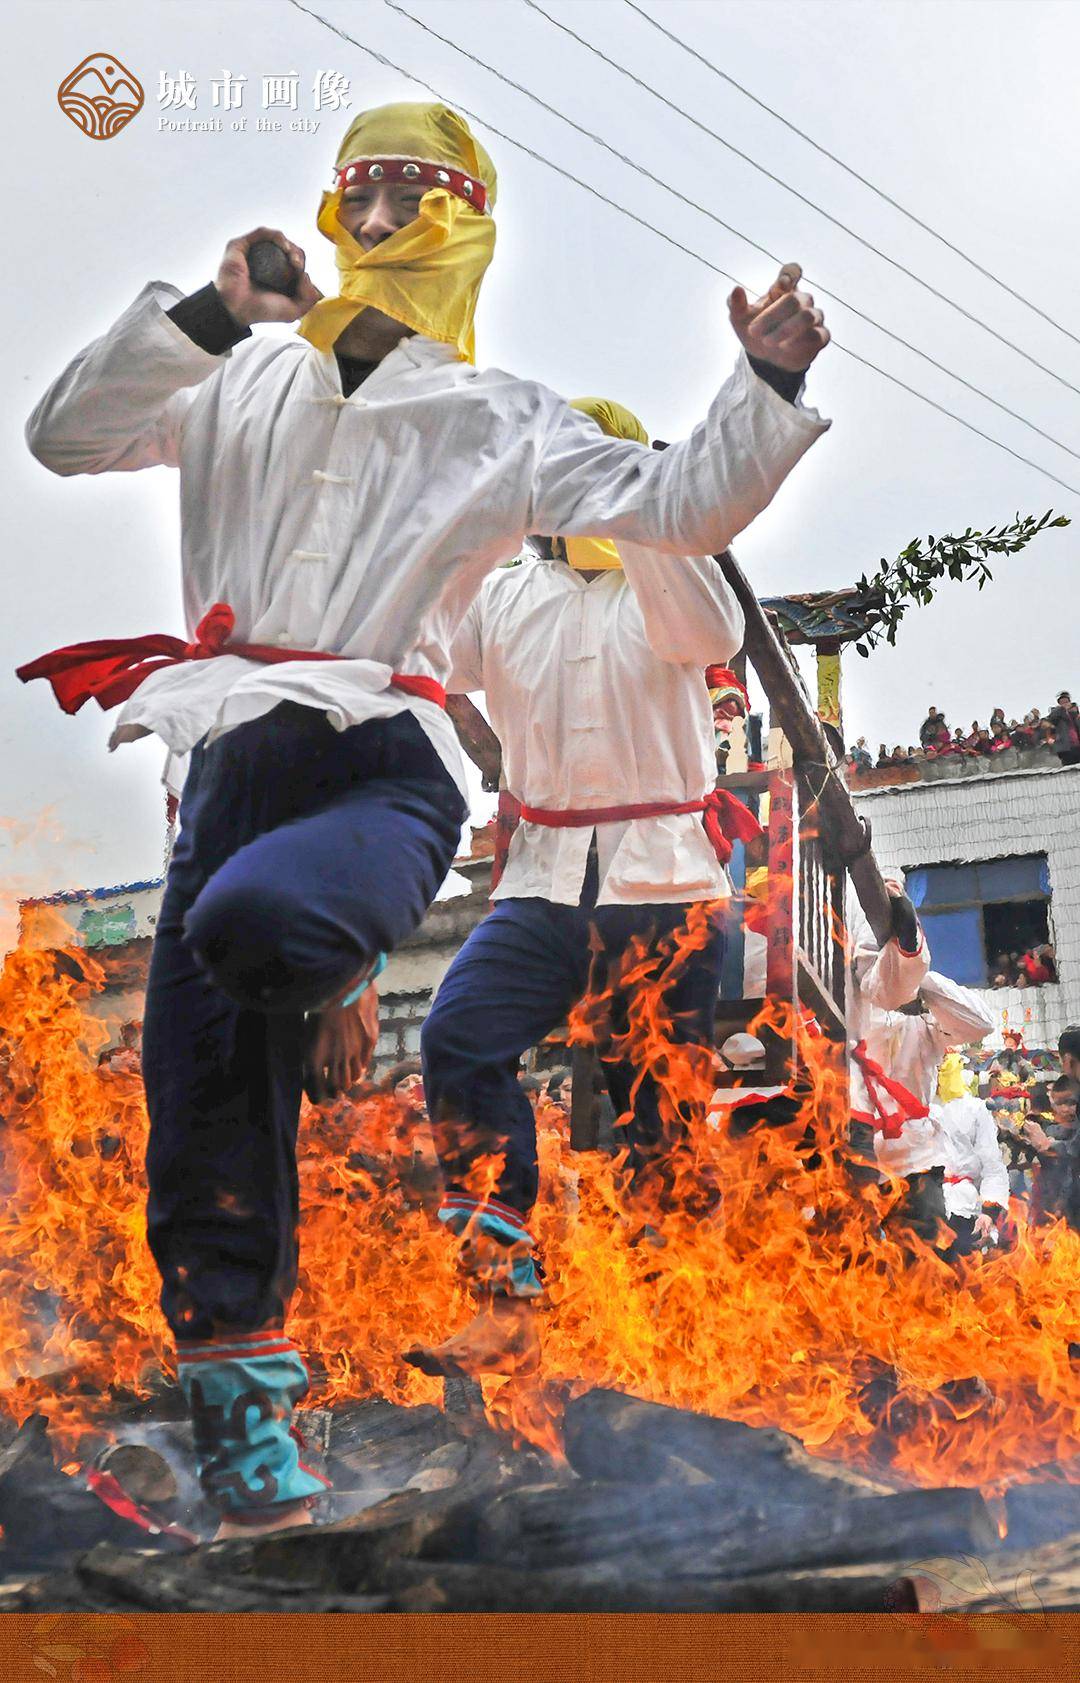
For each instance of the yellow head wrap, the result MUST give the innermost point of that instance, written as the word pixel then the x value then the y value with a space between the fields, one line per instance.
pixel 600 554
pixel 428 273
pixel 952 1079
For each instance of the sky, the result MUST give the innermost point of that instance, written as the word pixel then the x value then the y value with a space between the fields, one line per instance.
pixel 963 110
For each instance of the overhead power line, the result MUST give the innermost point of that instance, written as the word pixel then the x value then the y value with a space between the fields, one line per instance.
pixel 674 192
pixel 778 180
pixel 848 169
pixel 668 239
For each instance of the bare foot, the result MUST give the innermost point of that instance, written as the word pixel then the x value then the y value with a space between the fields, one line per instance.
pixel 231 1530
pixel 501 1338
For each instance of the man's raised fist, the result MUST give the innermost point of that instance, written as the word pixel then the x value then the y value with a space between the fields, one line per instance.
pixel 248 303
pixel 783 327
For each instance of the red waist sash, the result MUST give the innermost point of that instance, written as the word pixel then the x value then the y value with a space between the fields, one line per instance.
pixel 954 1180
pixel 889 1123
pixel 111 670
pixel 726 819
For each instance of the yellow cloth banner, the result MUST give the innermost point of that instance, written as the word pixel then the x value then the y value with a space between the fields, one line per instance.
pixel 428 273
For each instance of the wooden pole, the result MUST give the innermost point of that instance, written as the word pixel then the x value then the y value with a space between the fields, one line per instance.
pixel 813 756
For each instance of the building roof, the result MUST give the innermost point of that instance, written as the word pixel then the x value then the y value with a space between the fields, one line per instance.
pixel 72 896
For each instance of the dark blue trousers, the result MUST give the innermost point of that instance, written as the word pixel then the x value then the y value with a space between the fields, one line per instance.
pixel 514 980
pixel 303 852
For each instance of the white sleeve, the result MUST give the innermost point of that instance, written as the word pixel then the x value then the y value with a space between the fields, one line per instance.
pixel 120 404
pixel 691 499
pixel 690 613
pixel 959 1015
pixel 886 977
pixel 467 652
pixel 993 1174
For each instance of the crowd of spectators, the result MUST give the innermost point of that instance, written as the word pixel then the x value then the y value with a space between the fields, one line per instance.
pixel 1058 731
pixel 1031 969
pixel 1036 1117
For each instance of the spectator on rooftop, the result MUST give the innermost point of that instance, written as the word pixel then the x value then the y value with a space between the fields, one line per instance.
pixel 861 757
pixel 956 744
pixel 933 729
pixel 1065 719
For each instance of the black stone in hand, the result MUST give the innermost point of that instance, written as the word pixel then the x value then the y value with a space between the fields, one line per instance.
pixel 270 268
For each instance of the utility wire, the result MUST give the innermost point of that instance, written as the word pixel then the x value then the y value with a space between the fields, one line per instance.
pixel 942 239
pixel 894 262
pixel 674 192
pixel 669 239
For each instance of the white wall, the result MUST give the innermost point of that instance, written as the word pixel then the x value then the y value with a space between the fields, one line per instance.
pixel 995 817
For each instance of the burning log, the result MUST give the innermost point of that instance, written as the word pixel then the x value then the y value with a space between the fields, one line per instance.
pixel 1045 1580
pixel 699 1533
pixel 49 1517
pixel 112 1580
pixel 1041 1513
pixel 608 1434
pixel 116 1580
pixel 606 1588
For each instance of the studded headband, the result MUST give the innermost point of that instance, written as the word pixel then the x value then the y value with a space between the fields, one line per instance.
pixel 412 170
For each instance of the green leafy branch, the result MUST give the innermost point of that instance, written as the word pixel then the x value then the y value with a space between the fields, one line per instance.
pixel 913 576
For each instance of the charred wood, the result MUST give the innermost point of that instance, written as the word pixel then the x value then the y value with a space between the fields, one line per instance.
pixel 609 1435
pixel 697 1532
pixel 1041 1513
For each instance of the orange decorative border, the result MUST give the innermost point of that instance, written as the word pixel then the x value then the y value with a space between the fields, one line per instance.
pixel 523 1648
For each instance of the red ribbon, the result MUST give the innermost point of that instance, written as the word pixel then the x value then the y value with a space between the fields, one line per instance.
pixel 890 1123
pixel 111 670
pixel 723 678
pixel 108 1489
pixel 726 819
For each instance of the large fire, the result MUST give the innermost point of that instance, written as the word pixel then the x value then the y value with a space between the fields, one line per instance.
pixel 785 1307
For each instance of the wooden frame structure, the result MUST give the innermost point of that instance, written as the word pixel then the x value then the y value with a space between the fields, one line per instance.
pixel 817 844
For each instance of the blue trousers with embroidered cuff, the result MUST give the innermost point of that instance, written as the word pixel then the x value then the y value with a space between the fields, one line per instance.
pixel 514 980
pixel 303 852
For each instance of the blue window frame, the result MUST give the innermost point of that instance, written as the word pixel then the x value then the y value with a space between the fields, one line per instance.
pixel 974 912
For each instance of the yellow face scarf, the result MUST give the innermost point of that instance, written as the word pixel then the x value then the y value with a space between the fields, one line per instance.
pixel 428 273
pixel 600 555
pixel 952 1079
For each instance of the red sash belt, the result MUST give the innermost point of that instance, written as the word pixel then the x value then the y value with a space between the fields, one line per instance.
pixel 111 670
pixel 888 1122
pixel 954 1180
pixel 726 819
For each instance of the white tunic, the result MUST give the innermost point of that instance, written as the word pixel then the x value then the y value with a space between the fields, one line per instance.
pixel 908 1048
pixel 596 691
pixel 972 1151
pixel 364 526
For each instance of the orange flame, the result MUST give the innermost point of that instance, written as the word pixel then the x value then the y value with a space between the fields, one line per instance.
pixel 788 1306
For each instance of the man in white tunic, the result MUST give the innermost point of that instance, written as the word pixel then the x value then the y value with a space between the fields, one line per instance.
pixel 896 1054
pixel 343 491
pixel 976 1175
pixel 592 659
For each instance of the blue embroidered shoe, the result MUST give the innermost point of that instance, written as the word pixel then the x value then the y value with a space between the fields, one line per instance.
pixel 240 1390
pixel 496 1246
